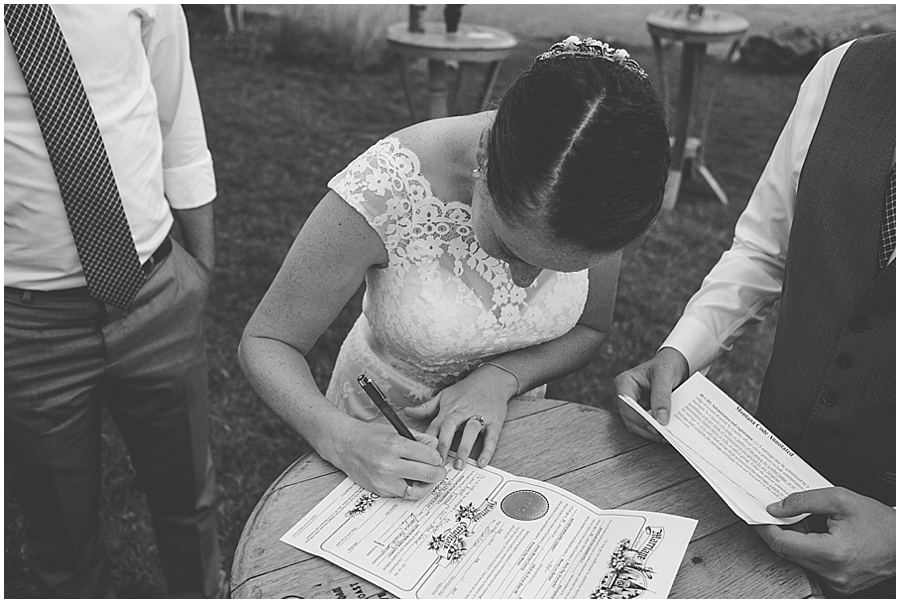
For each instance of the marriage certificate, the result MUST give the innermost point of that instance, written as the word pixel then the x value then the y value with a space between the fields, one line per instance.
pixel 488 534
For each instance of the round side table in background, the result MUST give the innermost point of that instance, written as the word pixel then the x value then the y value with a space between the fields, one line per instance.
pixel 469 44
pixel 695 27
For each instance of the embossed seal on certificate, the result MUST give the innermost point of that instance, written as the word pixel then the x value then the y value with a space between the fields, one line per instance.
pixel 525 505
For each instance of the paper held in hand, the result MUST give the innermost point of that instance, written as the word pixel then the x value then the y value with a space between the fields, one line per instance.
pixel 745 463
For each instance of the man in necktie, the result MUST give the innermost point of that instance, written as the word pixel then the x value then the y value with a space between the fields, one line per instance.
pixel 818 237
pixel 105 151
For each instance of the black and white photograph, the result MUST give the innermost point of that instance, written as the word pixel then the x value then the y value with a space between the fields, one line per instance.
pixel 460 301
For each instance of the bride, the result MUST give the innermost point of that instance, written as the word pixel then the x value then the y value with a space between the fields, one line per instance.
pixel 490 248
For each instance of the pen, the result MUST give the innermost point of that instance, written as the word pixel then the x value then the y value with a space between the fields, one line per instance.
pixel 381 402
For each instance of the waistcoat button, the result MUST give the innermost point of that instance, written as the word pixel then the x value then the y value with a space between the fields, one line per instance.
pixel 844 360
pixel 828 398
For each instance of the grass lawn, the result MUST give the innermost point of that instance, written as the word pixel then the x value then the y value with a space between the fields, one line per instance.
pixel 278 132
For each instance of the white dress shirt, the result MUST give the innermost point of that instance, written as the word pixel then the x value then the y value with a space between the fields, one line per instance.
pixel 134 63
pixel 746 282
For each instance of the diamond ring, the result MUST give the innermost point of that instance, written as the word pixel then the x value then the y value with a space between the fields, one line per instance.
pixel 407 492
pixel 478 418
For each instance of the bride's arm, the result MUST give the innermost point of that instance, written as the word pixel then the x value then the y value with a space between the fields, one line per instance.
pixel 486 391
pixel 323 269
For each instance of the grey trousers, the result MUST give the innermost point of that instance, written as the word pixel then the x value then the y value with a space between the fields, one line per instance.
pixel 67 354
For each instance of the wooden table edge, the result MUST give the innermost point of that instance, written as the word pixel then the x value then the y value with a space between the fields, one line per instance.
pixel 815 590
pixel 240 552
pixel 549 404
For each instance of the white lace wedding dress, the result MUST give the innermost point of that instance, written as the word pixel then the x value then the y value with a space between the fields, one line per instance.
pixel 442 306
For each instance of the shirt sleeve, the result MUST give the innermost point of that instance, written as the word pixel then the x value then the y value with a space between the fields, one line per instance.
pixel 187 163
pixel 377 185
pixel 745 284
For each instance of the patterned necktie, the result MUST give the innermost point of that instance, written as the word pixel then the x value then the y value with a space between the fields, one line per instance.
pixel 103 239
pixel 889 222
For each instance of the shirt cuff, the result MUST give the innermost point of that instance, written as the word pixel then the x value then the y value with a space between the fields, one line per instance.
pixel 190 186
pixel 695 342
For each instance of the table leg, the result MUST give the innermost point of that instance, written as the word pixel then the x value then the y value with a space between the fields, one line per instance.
pixel 691 62
pixel 714 89
pixel 437 89
pixel 453 99
pixel 701 167
pixel 490 77
pixel 661 72
pixel 407 91
pixel 229 20
pixel 712 182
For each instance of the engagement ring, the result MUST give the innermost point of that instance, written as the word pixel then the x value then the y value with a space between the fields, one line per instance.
pixel 478 418
pixel 407 492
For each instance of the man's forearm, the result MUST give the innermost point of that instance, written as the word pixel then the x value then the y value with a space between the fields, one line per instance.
pixel 198 232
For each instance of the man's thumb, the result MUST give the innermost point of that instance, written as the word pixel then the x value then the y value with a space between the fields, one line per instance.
pixel 823 501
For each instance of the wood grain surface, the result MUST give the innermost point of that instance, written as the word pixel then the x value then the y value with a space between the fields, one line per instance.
pixel 582 449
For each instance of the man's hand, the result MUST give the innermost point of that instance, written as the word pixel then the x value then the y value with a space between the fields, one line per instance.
pixel 857 551
pixel 653 382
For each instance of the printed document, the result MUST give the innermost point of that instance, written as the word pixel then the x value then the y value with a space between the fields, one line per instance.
pixel 746 464
pixel 488 534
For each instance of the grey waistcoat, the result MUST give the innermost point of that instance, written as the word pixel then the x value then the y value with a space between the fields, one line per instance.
pixel 829 390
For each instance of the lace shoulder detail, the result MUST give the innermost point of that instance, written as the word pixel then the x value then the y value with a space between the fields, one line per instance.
pixel 441 305
pixel 385 185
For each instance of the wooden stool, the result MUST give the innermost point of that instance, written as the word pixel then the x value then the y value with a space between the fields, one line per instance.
pixel 694 27
pixel 470 44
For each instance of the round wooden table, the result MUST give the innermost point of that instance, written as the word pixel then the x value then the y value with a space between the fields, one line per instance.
pixel 695 28
pixel 469 45
pixel 582 449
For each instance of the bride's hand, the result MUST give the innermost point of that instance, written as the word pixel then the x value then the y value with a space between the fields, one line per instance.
pixel 380 460
pixel 483 393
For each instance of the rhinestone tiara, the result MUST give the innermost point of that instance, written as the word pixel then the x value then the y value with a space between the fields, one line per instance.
pixel 573 46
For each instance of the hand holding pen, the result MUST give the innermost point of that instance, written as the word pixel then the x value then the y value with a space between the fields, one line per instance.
pixel 376 395
pixel 414 488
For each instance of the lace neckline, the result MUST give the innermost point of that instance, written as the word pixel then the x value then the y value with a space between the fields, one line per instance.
pixel 423 181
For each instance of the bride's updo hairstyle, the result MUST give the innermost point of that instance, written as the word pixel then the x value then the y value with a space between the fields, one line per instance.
pixel 580 141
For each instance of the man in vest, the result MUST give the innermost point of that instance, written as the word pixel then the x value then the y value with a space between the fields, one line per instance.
pixel 817 235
